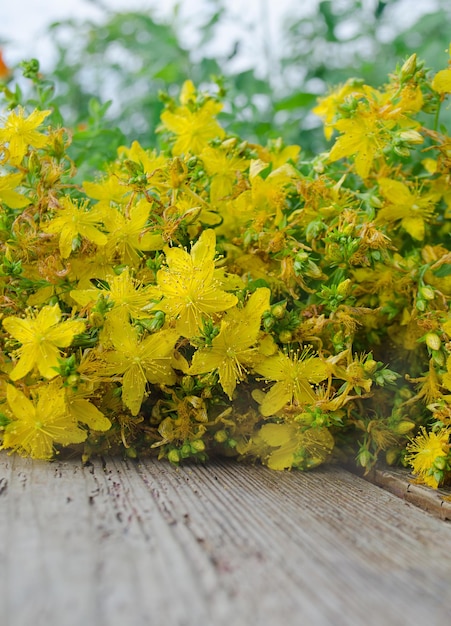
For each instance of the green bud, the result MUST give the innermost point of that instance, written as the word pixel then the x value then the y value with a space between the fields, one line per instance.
pixel 391 456
pixel 344 288
pixel 278 310
pixel 221 436
pixel 440 463
pixel 131 452
pixel 197 445
pixel 174 456
pixel 426 292
pixel 370 366
pixel 285 336
pixel 403 427
pixel 411 136
pixel 433 341
pixel 409 67
pixel 185 450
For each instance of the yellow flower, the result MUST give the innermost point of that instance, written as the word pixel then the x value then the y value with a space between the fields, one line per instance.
pixel 294 446
pixel 441 83
pixel 193 129
pixel 128 235
pixel 327 106
pixel 293 375
pixel 269 194
pixel 39 424
pixel 84 268
pixel 139 362
pixel 412 208
pixel 81 410
pixel 154 165
pixel 109 190
pixel 189 287
pixel 75 220
pixel 19 132
pixel 223 169
pixel 232 349
pixel 41 337
pixel 360 136
pixel 427 454
pixel 8 195
pixel 127 296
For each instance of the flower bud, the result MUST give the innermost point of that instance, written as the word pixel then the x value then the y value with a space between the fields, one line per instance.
pixel 403 427
pixel 278 311
pixel 433 341
pixel 409 67
pixel 370 366
pixel 411 136
pixel 174 456
pixel 427 293
pixel 197 445
pixel 285 336
pixel 391 456
pixel 221 436
pixel 344 288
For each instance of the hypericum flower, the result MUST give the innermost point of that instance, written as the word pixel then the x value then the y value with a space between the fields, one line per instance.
pixel 428 455
pixel 108 190
pixel 361 135
pixel 83 411
pixel 41 337
pixel 269 194
pixel 223 169
pixel 188 286
pixel 293 375
pixel 126 296
pixel 153 165
pixel 19 132
pixel 294 446
pixel 232 350
pixel 139 362
pixel 327 107
pixel 414 209
pixel 193 129
pixel 128 235
pixel 441 83
pixel 8 195
pixel 38 425
pixel 74 220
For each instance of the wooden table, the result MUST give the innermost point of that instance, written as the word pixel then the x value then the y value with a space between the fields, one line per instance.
pixel 143 543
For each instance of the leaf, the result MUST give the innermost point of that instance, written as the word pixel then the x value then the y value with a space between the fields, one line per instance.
pixel 296 101
pixel 443 270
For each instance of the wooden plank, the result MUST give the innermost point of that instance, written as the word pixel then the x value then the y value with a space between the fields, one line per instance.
pixel 402 484
pixel 144 543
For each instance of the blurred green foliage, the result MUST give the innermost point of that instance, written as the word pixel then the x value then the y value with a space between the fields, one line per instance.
pixel 117 69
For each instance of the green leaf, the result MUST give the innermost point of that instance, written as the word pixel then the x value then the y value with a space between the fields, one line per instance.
pixel 296 101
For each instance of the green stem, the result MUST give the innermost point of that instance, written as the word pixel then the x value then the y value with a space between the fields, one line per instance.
pixel 437 115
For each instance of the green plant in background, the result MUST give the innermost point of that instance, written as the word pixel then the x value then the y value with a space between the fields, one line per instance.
pixel 129 58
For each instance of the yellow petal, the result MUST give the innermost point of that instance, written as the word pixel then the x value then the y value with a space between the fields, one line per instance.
pixel 21 407
pixel 276 435
pixel 83 411
pixel 442 81
pixel 133 388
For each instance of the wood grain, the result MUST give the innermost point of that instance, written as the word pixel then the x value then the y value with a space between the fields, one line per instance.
pixel 123 542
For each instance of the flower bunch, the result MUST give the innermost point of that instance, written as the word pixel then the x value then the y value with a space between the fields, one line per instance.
pixel 224 297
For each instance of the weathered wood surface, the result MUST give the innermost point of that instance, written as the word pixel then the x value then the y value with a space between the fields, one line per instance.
pixel 147 544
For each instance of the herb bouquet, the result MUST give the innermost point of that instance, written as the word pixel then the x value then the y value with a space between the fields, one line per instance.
pixel 223 297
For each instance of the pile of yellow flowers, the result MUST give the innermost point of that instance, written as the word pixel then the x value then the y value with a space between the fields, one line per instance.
pixel 223 297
